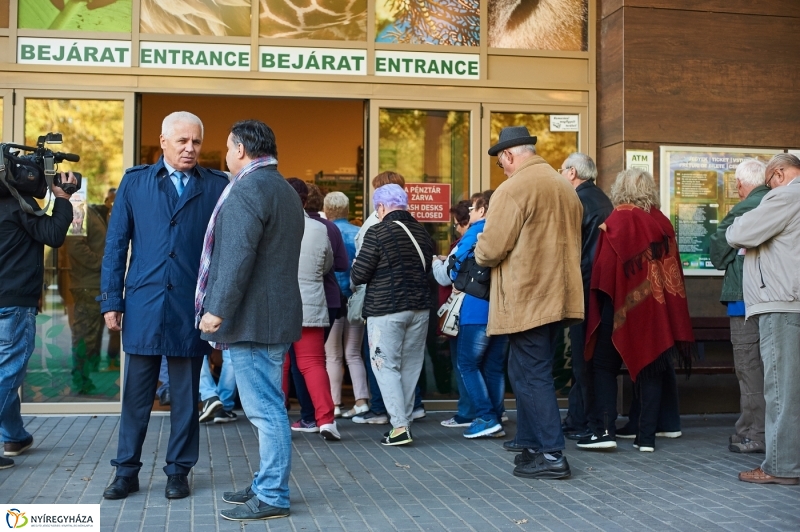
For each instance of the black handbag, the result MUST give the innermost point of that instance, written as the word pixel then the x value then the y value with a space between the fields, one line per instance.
pixel 471 278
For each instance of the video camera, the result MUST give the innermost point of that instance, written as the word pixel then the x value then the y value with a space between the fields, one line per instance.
pixel 31 174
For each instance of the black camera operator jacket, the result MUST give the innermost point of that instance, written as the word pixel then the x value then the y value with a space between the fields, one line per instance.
pixel 22 240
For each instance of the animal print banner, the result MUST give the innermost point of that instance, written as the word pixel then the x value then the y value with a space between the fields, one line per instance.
pixel 223 18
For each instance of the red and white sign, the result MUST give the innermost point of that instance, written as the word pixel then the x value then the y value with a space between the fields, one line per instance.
pixel 429 202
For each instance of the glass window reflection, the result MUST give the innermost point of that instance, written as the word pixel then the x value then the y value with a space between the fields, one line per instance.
pixel 553 146
pixel 75 358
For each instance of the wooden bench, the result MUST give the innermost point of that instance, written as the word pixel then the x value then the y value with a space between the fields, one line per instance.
pixel 707 330
pixel 711 330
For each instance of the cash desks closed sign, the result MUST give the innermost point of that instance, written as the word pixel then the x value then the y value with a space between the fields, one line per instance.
pixel 429 202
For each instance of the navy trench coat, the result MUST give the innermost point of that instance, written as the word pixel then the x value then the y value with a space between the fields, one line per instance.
pixel 165 235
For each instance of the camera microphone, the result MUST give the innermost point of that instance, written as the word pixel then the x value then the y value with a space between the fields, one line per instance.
pixel 71 157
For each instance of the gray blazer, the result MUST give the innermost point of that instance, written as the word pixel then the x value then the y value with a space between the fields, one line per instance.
pixel 252 280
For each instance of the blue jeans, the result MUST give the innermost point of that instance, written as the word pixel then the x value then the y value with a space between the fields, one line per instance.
pixel 480 361
pixel 258 369
pixel 225 389
pixel 530 366
pixel 465 411
pixel 376 400
pixel 17 333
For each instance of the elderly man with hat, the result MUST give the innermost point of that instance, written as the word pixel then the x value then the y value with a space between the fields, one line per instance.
pixel 532 242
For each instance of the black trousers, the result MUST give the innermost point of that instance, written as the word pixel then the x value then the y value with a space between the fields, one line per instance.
pixel 655 386
pixel 669 416
pixel 141 379
pixel 577 413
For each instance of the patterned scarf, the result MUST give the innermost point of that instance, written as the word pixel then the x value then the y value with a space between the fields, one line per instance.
pixel 208 241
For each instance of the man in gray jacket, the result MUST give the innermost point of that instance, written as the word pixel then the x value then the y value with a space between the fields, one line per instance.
pixel 771 235
pixel 249 298
pixel 749 436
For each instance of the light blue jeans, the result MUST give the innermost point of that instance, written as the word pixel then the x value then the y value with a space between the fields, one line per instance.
pixel 225 389
pixel 17 333
pixel 780 338
pixel 258 369
pixel 397 351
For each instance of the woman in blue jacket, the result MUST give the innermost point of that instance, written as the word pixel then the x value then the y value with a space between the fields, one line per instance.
pixel 481 358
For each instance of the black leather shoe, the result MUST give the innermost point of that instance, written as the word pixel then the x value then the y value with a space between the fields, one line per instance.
pixel 512 446
pixel 177 487
pixel 525 457
pixel 541 467
pixel 121 487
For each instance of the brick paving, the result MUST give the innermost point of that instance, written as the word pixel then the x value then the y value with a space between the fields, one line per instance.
pixel 441 482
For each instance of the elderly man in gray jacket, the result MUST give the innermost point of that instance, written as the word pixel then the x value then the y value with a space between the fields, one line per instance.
pixel 771 235
pixel 249 298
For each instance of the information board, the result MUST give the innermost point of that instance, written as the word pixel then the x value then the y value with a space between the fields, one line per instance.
pixel 698 188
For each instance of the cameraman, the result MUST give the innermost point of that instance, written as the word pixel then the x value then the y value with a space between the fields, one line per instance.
pixel 22 240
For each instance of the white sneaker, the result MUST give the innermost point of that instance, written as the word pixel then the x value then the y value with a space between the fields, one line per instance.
pixel 356 410
pixel 452 423
pixel 644 448
pixel 337 412
pixel 418 413
pixel 329 432
pixel 676 434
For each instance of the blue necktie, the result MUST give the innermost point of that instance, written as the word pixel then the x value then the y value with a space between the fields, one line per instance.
pixel 178 181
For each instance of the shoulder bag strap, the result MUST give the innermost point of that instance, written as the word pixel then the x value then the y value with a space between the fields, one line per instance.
pixel 414 241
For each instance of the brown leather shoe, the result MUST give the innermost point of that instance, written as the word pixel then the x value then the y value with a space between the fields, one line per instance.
pixel 16 448
pixel 758 476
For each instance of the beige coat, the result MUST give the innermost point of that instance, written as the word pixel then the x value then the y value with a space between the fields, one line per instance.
pixel 532 241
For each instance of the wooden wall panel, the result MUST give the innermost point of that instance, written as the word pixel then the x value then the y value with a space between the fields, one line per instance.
pixel 610 161
pixel 610 80
pixel 710 78
pixel 775 8
pixel 607 7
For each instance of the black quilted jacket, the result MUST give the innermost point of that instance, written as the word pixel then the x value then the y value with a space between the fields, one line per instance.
pixel 388 263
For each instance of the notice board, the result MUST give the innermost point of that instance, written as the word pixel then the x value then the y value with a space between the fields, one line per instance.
pixel 429 202
pixel 698 188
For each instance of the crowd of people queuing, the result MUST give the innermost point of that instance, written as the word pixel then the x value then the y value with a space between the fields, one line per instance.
pixel 290 295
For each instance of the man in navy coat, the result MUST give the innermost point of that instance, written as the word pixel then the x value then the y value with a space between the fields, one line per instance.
pixel 160 215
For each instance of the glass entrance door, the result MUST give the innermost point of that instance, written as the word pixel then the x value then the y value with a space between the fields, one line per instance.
pixel 76 364
pixel 434 146
pixel 559 132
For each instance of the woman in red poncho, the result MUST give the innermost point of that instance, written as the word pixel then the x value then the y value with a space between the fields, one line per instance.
pixel 638 312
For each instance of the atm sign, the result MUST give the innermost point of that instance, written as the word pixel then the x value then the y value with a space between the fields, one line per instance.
pixel 429 202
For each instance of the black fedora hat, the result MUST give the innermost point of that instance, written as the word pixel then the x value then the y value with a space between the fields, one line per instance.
pixel 510 137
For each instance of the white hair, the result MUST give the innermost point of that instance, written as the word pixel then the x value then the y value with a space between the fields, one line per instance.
pixel 583 164
pixel 179 117
pixel 337 204
pixel 751 172
pixel 523 149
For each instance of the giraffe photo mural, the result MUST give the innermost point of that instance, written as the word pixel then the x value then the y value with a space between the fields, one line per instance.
pixel 336 20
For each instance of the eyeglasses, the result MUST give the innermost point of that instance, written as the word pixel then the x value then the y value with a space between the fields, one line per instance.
pixel 562 170
pixel 772 176
pixel 499 163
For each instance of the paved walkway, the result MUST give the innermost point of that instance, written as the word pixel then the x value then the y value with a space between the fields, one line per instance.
pixel 442 482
